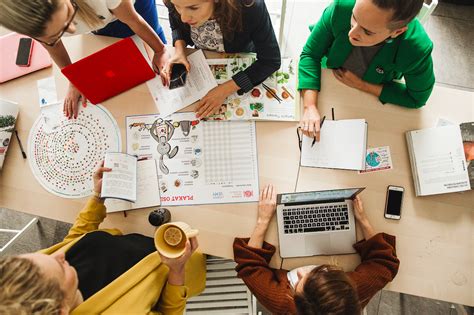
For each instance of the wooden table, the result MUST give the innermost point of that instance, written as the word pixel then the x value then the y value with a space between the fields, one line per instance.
pixel 435 235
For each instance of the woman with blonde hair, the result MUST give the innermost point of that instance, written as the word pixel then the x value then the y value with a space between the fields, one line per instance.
pixel 47 21
pixel 231 26
pixel 96 271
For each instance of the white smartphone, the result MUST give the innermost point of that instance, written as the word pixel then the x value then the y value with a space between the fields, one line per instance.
pixel 393 203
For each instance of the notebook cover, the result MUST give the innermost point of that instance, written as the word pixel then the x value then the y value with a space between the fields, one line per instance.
pixel 110 71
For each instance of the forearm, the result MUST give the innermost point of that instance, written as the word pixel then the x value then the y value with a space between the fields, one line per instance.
pixel 147 34
pixel 367 229
pixel 258 234
pixel 374 89
pixel 176 276
pixel 229 87
pixel 310 98
pixel 180 46
pixel 59 54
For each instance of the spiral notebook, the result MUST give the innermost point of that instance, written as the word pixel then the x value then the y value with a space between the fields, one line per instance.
pixel 343 145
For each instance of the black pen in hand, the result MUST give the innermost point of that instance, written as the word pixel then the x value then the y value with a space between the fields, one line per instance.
pixel 21 147
pixel 320 126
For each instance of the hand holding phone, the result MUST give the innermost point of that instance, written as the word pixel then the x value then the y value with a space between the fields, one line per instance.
pixel 25 47
pixel 393 203
pixel 178 76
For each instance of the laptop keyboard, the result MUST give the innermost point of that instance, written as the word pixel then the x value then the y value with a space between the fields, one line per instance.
pixel 315 218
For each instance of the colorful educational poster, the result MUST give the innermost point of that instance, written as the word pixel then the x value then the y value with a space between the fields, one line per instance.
pixel 63 153
pixel 199 162
pixel 377 159
pixel 274 99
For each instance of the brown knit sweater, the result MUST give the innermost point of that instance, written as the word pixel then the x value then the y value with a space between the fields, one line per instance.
pixel 379 265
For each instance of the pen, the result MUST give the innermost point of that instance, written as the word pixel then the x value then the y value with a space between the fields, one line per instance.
pixel 21 147
pixel 320 126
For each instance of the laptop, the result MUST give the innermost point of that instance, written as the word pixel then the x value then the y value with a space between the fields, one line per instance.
pixel 316 222
pixel 110 71
pixel 9 70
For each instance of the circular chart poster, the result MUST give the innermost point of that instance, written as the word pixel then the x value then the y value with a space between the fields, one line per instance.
pixel 63 153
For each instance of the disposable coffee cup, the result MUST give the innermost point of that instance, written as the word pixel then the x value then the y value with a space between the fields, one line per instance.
pixel 171 238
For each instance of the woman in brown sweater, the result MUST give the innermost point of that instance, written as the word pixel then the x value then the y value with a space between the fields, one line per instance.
pixel 324 289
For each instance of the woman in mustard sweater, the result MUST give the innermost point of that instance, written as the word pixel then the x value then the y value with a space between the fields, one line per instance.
pixel 96 271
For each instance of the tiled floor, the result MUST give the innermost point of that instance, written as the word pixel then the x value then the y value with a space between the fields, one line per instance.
pixel 450 28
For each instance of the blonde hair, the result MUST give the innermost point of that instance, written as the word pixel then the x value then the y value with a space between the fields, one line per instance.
pixel 30 17
pixel 25 290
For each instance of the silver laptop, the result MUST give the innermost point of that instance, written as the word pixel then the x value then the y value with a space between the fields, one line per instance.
pixel 316 222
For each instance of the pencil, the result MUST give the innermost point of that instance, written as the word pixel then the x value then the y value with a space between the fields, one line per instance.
pixel 21 146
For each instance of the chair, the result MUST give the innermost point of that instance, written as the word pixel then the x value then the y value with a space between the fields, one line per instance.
pixel 224 293
pixel 427 10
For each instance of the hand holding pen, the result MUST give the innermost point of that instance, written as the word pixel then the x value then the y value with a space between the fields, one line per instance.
pixel 320 126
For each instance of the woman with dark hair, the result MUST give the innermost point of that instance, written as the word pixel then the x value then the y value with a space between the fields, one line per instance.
pixel 47 21
pixel 370 45
pixel 314 290
pixel 231 26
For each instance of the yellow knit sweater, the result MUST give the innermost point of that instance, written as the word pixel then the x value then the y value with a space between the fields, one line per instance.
pixel 137 290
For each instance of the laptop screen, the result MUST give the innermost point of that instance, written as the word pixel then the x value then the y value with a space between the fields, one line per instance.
pixel 317 196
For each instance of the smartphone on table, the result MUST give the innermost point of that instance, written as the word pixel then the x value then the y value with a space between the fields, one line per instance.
pixel 393 203
pixel 25 47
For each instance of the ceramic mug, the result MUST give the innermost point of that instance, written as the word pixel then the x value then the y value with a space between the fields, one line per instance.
pixel 171 238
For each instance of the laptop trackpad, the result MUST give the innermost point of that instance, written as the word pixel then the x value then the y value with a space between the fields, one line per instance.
pixel 318 244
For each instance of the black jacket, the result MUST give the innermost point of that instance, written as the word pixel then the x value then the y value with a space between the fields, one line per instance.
pixel 257 36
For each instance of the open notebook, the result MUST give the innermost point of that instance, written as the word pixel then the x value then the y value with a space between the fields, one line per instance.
pixel 437 160
pixel 343 145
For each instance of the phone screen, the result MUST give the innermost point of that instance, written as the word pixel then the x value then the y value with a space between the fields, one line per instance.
pixel 394 202
pixel 24 52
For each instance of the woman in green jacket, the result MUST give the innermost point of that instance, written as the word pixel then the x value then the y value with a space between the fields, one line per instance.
pixel 96 271
pixel 368 44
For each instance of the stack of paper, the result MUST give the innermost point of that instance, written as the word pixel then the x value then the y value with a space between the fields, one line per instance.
pixel 437 160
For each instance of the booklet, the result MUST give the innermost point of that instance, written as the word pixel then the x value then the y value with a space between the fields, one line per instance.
pixel 438 161
pixel 467 133
pixel 200 162
pixel 133 182
pixel 199 81
pixel 343 145
pixel 8 116
pixel 274 99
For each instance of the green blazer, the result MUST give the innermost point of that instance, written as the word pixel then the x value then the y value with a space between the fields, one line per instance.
pixel 407 56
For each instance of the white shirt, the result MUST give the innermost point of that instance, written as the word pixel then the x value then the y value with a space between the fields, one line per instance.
pixel 103 10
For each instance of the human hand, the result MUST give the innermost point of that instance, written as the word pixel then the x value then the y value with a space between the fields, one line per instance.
pixel 160 59
pixel 361 218
pixel 310 122
pixel 71 102
pixel 212 101
pixel 266 205
pixel 359 211
pixel 348 78
pixel 97 177
pixel 178 57
pixel 176 265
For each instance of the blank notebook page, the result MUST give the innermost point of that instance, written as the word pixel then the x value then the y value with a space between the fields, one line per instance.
pixel 342 145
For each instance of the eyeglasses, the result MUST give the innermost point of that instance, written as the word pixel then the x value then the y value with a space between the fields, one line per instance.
pixel 53 43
